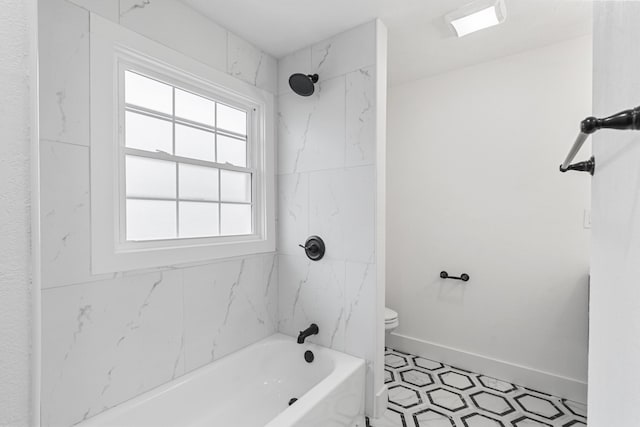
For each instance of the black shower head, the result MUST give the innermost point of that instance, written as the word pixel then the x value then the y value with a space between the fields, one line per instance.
pixel 303 84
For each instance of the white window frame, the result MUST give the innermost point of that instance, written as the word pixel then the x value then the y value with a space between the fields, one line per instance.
pixel 114 49
pixel 253 129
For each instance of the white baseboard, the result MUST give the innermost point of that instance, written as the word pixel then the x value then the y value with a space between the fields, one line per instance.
pixel 380 404
pixel 557 385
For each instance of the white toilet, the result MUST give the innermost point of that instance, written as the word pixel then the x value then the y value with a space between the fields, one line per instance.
pixel 390 320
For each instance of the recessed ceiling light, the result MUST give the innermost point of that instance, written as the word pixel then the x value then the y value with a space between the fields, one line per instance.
pixel 477 16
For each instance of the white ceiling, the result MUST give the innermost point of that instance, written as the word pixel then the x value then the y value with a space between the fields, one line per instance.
pixel 420 44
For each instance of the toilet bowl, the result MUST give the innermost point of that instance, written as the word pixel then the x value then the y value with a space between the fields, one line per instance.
pixel 390 320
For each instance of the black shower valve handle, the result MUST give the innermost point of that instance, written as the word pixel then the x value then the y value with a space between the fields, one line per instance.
pixel 314 248
pixel 624 120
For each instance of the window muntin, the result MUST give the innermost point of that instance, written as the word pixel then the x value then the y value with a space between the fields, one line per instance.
pixel 187 163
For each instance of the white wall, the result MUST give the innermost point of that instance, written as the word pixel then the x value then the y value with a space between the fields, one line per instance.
pixel 15 277
pixel 474 187
pixel 109 338
pixel 614 341
pixel 327 187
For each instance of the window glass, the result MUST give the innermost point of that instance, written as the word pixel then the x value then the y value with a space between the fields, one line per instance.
pixel 235 219
pixel 195 143
pixel 195 108
pixel 232 151
pixel 235 186
pixel 148 133
pixel 150 178
pixel 198 183
pixel 231 119
pixel 151 219
pixel 199 219
pixel 148 93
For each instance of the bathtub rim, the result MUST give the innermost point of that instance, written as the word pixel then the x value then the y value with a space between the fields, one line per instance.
pixel 344 366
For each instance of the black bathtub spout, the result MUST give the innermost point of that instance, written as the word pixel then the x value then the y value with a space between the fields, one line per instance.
pixel 311 330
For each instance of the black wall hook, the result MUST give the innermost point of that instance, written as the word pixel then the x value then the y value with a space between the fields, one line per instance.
pixel 464 276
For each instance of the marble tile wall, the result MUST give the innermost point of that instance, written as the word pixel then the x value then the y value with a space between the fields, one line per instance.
pixel 107 341
pixel 327 187
pixel 108 338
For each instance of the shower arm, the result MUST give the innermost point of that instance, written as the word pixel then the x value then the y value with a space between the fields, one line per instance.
pixel 624 120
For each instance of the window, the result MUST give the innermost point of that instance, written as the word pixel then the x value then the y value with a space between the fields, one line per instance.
pixel 182 165
pixel 187 163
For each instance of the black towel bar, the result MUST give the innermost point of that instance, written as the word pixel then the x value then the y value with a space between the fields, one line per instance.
pixel 464 276
pixel 624 120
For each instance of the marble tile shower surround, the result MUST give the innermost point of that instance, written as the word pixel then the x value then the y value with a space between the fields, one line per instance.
pixel 107 341
pixel 111 337
pixel 327 187
pixel 108 338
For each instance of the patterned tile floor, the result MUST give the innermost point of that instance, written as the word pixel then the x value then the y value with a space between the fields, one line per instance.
pixel 423 393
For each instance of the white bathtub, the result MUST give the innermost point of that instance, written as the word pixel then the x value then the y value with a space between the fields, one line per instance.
pixel 252 388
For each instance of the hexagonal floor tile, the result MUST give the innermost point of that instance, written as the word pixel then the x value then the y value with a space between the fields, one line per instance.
pixel 497 385
pixel 539 406
pixel 432 418
pixel 388 376
pixel 391 418
pixel 575 408
pixel 404 397
pixel 416 377
pixel 528 422
pixel 456 380
pixel 395 361
pixel 480 420
pixel 446 399
pixel 574 423
pixel 427 364
pixel 493 403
